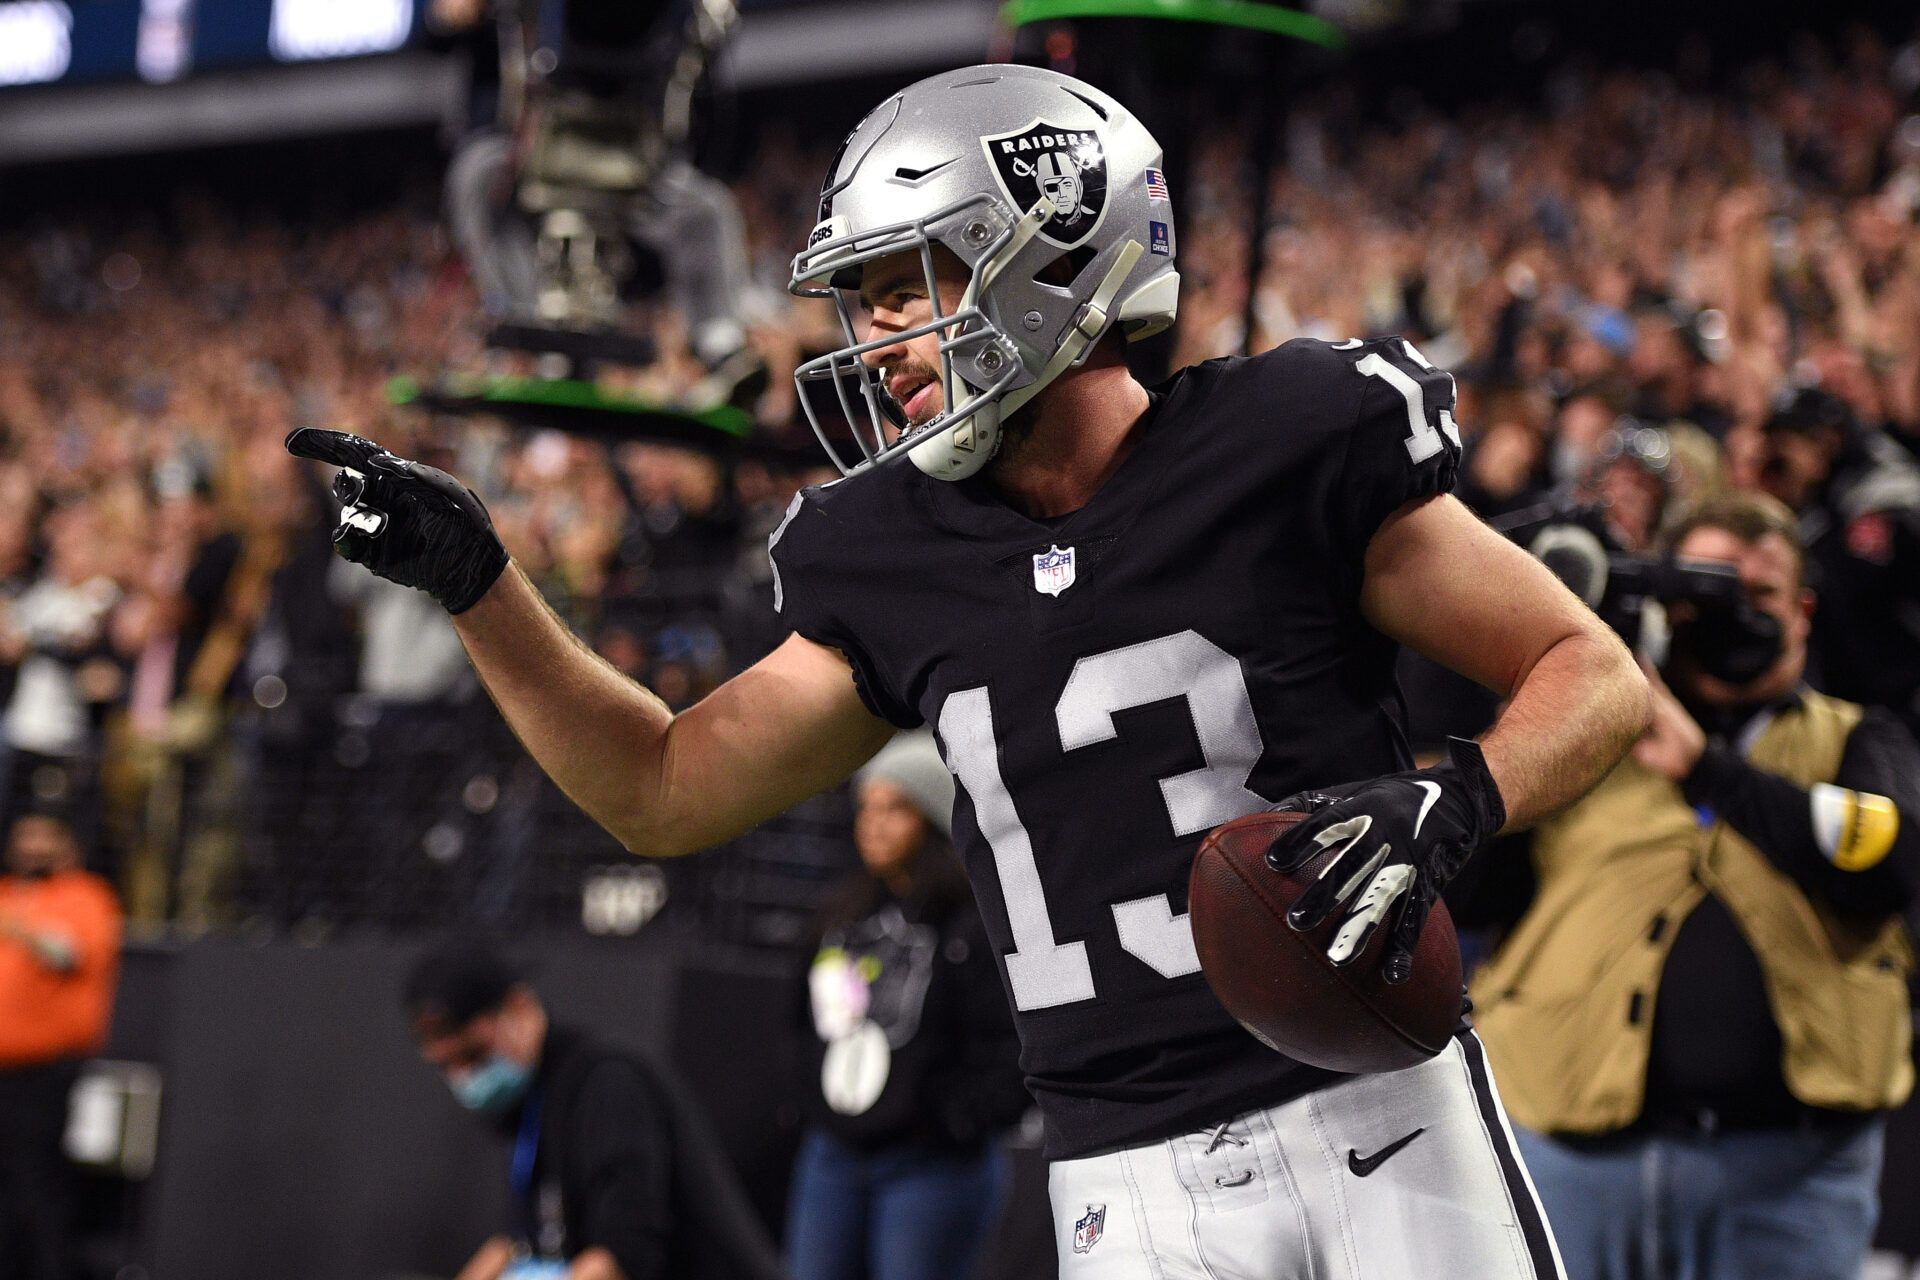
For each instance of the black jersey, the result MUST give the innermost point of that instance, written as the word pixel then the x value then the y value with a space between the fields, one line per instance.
pixel 1109 686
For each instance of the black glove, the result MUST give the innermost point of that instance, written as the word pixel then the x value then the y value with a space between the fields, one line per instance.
pixel 411 524
pixel 1400 837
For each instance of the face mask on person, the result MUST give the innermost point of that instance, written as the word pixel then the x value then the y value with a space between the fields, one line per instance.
pixel 492 1087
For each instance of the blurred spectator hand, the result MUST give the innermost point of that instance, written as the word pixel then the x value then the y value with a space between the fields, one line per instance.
pixel 1673 743
pixel 410 523
pixel 13 641
pixel 1505 460
pixel 49 946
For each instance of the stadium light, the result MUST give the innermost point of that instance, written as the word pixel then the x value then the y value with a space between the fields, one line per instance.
pixel 164 49
pixel 36 41
pixel 307 29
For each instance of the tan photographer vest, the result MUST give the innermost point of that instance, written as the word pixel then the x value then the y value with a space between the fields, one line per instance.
pixel 1566 1005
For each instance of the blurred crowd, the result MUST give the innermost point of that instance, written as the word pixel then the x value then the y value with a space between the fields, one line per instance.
pixel 245 729
pixel 1631 283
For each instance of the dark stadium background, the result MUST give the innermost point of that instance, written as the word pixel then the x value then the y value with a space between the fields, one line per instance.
pixel 299 1138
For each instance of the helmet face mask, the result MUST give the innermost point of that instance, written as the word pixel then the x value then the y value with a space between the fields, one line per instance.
pixel 967 340
pixel 939 165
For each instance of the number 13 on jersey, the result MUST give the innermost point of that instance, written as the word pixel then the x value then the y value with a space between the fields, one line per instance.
pixel 1042 970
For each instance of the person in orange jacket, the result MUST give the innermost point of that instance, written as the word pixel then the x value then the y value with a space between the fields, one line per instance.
pixel 59 958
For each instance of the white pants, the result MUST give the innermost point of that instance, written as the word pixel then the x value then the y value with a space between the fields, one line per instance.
pixel 1326 1187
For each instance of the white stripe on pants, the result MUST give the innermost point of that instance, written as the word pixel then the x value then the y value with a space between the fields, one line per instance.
pixel 1274 1195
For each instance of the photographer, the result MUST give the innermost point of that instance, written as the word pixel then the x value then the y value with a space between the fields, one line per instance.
pixel 616 1172
pixel 1703 1015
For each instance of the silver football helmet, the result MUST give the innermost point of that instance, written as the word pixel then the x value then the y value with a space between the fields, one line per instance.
pixel 1012 169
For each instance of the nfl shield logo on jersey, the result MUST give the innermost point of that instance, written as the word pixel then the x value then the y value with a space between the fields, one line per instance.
pixel 1086 1232
pixel 1053 570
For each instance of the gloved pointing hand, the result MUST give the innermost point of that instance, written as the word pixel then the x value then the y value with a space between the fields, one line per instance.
pixel 408 522
pixel 1398 839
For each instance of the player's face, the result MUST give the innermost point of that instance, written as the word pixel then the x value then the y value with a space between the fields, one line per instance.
pixel 1771 577
pixel 893 296
pixel 888 829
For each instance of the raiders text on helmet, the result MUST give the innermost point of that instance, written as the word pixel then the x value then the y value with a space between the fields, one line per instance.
pixel 1011 169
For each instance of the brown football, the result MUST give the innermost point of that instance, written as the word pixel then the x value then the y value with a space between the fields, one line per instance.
pixel 1280 984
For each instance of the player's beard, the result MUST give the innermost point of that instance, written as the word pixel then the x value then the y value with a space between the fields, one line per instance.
pixel 918 372
pixel 1015 429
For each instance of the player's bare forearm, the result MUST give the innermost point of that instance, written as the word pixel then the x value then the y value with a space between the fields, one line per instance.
pixel 598 735
pixel 1576 712
pixel 1439 581
pixel 788 727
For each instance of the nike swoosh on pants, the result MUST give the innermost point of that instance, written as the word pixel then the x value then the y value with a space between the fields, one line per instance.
pixel 1361 1165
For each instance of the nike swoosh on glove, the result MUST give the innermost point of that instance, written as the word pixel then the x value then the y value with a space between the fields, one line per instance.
pixel 1398 839
pixel 408 522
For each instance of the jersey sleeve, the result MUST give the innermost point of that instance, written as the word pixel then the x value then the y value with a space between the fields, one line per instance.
pixel 810 575
pixel 1401 445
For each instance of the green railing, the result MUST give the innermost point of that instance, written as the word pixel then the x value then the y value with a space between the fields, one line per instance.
pixel 1247 14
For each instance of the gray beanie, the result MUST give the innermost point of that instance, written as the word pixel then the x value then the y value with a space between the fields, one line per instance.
pixel 912 763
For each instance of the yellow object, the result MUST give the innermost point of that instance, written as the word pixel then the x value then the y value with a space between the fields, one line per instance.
pixel 1566 1005
pixel 1868 834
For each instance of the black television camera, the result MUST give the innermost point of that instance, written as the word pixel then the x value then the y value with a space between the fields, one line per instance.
pixel 597 101
pixel 1659 605
pixel 561 206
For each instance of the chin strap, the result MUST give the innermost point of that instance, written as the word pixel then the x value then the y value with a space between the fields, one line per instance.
pixel 1087 326
pixel 980 426
pixel 1023 232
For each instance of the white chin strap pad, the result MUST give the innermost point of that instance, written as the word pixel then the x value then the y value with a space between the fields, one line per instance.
pixel 959 451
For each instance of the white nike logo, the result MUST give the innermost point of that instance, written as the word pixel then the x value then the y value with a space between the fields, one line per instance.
pixel 1433 794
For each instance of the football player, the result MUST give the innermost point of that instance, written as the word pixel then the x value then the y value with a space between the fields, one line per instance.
pixel 1130 614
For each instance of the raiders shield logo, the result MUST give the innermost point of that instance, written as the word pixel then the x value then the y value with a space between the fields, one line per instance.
pixel 1069 165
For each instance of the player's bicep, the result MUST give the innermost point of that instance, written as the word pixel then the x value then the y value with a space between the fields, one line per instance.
pixel 1440 582
pixel 786 728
